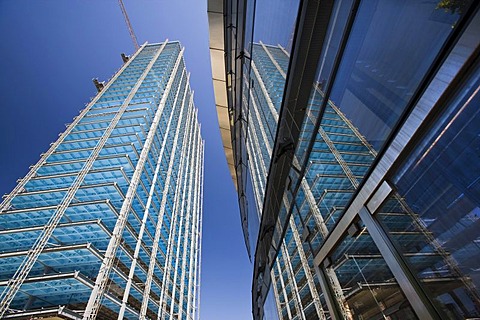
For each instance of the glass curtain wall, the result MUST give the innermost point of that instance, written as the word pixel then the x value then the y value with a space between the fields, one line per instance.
pixel 357 234
pixel 107 223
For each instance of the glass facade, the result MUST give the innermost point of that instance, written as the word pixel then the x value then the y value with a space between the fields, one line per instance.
pixel 108 223
pixel 357 147
pixel 440 212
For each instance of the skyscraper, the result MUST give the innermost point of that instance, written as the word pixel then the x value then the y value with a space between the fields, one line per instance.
pixel 349 128
pixel 107 224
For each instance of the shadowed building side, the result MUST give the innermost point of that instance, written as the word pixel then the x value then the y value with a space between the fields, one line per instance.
pixel 342 116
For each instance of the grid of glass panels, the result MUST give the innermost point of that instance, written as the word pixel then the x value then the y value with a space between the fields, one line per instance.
pixel 350 133
pixel 156 263
pixel 326 182
pixel 438 214
pixel 274 23
pixel 373 66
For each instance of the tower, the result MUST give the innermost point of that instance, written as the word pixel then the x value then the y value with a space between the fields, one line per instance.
pixel 108 222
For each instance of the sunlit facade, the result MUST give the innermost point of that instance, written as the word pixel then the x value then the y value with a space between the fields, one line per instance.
pixel 107 224
pixel 351 131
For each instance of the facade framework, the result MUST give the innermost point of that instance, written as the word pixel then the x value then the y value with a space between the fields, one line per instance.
pixel 108 223
pixel 348 133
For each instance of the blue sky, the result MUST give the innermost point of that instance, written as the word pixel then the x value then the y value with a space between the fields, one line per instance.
pixel 50 51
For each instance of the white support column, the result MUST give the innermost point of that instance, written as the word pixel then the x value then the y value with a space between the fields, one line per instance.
pixel 174 240
pixel 183 221
pixel 260 123
pixel 308 274
pixel 254 137
pixel 284 291
pixel 190 212
pixel 198 255
pixel 298 244
pixel 258 182
pixel 131 273
pixel 166 190
pixel 101 281
pixel 265 92
pixel 339 158
pixel 293 282
pixel 275 63
pixel 179 196
pixel 194 230
pixel 24 269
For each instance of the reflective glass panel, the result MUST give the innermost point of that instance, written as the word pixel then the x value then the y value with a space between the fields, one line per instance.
pixel 434 217
pixel 270 307
pixel 266 64
pixel 364 286
pixel 253 217
pixel 385 59
pixel 275 22
pixel 383 64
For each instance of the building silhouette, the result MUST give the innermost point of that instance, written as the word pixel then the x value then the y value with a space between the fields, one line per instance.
pixel 107 224
pixel 351 132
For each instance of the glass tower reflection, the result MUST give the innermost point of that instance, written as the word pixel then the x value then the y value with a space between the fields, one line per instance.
pixel 353 204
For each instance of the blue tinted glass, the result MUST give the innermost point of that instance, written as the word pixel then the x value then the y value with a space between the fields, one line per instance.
pixel 275 22
pixel 435 216
pixel 384 62
pixel 363 284
pixel 385 59
pixel 264 82
pixel 253 216
pixel 270 307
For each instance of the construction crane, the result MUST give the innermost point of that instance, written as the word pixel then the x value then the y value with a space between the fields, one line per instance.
pixel 129 25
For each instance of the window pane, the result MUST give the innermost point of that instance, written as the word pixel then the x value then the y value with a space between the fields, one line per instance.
pixel 275 22
pixel 435 215
pixel 264 81
pixel 363 283
pixel 384 62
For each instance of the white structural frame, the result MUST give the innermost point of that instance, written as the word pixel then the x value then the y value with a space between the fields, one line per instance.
pixel 188 223
pixel 184 210
pixel 147 208
pixel 178 194
pixel 96 296
pixel 166 189
pixel 308 193
pixel 198 255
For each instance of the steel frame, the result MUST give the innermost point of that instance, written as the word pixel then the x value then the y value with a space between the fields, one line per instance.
pixel 173 224
pixel 102 278
pixel 147 207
